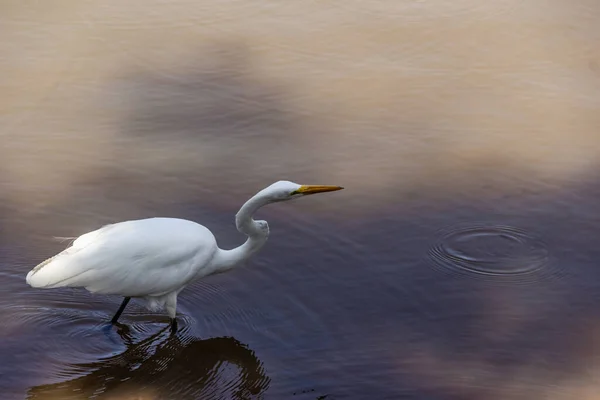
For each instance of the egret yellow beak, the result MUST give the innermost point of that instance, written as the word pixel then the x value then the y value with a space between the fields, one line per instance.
pixel 312 189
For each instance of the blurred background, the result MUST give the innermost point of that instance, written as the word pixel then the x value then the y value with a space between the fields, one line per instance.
pixel 460 262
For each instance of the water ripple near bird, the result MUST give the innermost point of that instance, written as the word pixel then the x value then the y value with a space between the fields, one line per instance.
pixel 105 360
pixel 164 364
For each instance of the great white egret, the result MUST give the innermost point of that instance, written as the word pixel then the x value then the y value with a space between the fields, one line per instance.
pixel 156 258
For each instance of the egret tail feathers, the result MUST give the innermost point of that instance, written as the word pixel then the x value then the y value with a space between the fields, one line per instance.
pixel 66 268
pixel 57 271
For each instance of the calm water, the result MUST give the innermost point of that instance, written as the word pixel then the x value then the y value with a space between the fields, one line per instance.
pixel 460 263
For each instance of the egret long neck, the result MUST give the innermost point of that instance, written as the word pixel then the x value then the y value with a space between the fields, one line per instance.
pixel 227 259
pixel 243 218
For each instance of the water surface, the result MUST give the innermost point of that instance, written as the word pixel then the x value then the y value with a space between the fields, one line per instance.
pixel 460 262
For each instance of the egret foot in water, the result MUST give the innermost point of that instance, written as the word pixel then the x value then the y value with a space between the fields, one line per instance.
pixel 173 325
pixel 120 310
pixel 122 330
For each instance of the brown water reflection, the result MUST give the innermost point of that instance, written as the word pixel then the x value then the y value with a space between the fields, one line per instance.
pixel 435 116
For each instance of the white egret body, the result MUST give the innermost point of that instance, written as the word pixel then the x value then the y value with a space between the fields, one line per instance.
pixel 156 258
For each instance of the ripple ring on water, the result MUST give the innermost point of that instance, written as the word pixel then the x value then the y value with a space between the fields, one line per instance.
pixel 492 252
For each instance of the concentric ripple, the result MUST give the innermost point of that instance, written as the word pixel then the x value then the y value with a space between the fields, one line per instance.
pixel 496 252
pixel 75 353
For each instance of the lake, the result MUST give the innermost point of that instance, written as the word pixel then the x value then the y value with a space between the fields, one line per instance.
pixel 459 263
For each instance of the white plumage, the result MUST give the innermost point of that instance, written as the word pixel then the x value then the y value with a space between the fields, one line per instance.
pixel 150 258
pixel 156 258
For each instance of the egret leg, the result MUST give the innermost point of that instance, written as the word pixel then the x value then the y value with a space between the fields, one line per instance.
pixel 120 310
pixel 171 306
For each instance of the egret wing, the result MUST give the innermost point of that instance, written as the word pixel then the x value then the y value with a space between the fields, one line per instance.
pixel 133 258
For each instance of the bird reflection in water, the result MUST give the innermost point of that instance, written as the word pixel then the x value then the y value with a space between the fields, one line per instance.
pixel 164 367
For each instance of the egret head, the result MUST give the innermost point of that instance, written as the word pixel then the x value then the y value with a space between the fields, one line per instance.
pixel 286 190
pixel 278 191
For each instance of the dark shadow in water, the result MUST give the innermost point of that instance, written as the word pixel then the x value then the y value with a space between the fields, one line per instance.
pixel 171 367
